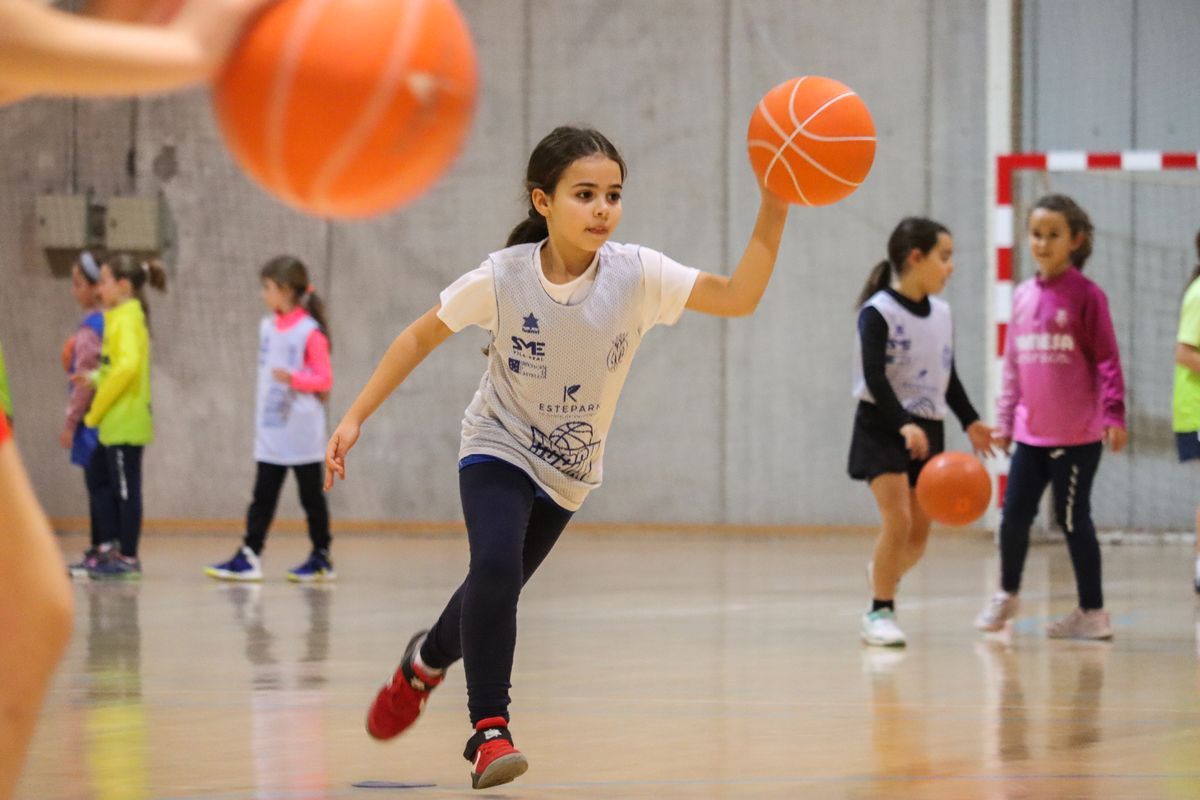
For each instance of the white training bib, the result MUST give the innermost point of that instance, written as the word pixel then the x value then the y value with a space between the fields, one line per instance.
pixel 555 372
pixel 289 425
pixel 920 353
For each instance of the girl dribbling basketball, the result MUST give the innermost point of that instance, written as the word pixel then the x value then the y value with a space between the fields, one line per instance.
pixel 905 382
pixel 566 308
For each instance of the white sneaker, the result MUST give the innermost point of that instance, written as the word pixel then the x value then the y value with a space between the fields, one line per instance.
pixel 879 628
pixel 999 610
pixel 1080 624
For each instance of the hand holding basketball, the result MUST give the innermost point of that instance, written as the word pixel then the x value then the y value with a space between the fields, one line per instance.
pixel 215 25
pixel 349 108
pixel 811 141
pixel 954 488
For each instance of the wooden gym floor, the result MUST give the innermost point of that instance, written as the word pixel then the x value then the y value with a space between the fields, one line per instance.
pixel 649 665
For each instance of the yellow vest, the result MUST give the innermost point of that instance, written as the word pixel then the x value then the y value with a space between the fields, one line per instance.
pixel 121 407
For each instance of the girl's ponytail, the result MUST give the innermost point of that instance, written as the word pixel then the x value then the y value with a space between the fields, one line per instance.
pixel 529 230
pixel 879 279
pixel 156 274
pixel 1196 270
pixel 138 272
pixel 315 307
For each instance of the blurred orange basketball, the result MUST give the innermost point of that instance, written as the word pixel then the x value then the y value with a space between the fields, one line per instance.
pixel 954 488
pixel 811 140
pixel 349 108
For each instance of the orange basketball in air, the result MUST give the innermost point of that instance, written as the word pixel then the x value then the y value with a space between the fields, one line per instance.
pixel 811 140
pixel 954 488
pixel 349 108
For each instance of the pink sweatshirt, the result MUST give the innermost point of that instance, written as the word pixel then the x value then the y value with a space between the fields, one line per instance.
pixel 85 349
pixel 1062 372
pixel 316 375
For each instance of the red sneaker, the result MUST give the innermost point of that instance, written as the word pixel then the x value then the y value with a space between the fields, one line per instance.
pixel 493 758
pixel 402 698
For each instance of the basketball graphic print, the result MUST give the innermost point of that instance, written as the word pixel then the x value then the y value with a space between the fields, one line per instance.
pixel 811 141
pixel 569 447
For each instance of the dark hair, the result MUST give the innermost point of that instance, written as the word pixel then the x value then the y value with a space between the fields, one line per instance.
pixel 289 272
pixel 139 272
pixel 912 233
pixel 559 149
pixel 1196 271
pixel 1078 222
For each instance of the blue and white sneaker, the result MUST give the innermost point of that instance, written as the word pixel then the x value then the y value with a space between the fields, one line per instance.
pixel 318 567
pixel 116 567
pixel 244 566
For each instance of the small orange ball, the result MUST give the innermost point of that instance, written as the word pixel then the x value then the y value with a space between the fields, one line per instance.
pixel 954 488
pixel 811 141
pixel 349 108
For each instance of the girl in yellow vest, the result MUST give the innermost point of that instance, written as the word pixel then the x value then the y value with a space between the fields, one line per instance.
pixel 121 406
pixel 1186 398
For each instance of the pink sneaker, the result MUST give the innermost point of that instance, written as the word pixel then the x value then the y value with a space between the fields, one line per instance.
pixel 1080 624
pixel 999 610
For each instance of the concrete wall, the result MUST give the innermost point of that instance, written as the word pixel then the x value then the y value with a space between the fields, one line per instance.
pixel 741 421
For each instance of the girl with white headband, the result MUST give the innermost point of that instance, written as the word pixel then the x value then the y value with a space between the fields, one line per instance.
pixel 81 356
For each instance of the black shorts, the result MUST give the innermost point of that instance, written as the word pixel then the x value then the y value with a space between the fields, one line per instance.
pixel 1188 445
pixel 878 449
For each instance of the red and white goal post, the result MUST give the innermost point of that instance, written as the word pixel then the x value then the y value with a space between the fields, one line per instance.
pixel 1004 236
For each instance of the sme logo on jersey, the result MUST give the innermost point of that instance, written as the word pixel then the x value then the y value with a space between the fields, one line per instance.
pixel 528 348
pixel 569 448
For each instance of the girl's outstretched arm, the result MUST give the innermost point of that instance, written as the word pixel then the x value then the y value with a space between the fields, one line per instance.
pixel 47 51
pixel 738 294
pixel 408 350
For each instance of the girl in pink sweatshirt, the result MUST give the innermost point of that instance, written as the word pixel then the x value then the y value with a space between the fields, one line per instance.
pixel 1063 396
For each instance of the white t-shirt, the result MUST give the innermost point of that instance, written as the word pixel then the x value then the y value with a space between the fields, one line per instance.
pixel 471 300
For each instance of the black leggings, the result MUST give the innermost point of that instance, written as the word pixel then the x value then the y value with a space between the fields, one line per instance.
pixel 115 472
pixel 510 530
pixel 267 485
pixel 1070 471
pixel 102 500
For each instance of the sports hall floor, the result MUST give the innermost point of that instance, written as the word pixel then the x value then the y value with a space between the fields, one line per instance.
pixel 649 665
